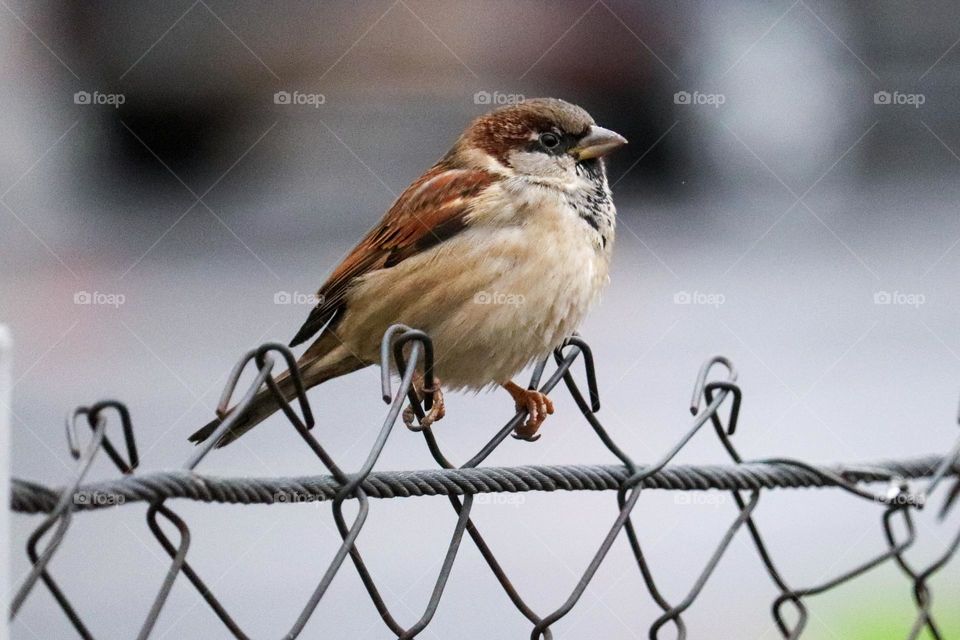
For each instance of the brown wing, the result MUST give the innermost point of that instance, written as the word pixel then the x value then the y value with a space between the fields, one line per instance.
pixel 429 211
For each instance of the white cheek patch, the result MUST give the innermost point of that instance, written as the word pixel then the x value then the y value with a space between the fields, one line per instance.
pixel 537 164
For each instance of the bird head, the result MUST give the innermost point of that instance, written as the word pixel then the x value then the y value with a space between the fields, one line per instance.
pixel 544 139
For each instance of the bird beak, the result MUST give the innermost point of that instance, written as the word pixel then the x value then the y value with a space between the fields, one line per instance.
pixel 598 142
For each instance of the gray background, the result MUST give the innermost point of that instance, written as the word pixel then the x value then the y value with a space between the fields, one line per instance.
pixel 794 202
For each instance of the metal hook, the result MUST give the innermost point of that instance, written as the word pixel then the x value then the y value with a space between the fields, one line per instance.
pixel 294 370
pixel 386 342
pixel 133 460
pixel 734 410
pixel 576 341
pixel 73 436
pixel 702 379
pixel 429 381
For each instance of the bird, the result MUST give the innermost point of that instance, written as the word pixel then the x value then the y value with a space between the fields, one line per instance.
pixel 497 252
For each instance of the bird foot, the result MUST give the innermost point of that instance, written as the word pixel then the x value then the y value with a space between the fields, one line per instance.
pixel 537 405
pixel 437 409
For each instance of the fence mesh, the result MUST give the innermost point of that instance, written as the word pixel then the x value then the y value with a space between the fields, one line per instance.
pixel 412 350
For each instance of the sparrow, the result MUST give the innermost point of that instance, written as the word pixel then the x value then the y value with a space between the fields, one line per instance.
pixel 497 252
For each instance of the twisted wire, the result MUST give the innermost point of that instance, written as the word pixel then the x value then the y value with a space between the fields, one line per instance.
pixel 28 497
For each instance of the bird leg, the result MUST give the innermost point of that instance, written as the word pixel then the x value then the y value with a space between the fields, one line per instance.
pixel 537 405
pixel 437 409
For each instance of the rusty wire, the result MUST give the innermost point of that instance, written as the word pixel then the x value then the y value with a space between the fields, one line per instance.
pixel 412 350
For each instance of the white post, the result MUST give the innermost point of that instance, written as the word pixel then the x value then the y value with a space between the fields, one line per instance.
pixel 6 382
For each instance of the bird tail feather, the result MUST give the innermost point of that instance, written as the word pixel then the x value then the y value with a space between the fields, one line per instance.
pixel 265 404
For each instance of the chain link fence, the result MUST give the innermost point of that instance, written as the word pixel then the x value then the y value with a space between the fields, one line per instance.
pixel 716 401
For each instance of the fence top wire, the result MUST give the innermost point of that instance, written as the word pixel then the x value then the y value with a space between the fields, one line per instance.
pixel 412 350
pixel 29 497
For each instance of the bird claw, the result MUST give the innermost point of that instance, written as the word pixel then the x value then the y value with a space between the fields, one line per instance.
pixel 537 405
pixel 437 410
pixel 522 433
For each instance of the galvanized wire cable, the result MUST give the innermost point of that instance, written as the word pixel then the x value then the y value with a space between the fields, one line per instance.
pixel 412 351
pixel 28 497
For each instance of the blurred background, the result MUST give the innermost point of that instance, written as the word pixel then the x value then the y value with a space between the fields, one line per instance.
pixel 176 177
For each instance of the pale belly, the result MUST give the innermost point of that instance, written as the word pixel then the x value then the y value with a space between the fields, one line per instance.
pixel 492 300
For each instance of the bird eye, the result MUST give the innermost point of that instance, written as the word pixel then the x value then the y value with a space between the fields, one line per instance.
pixel 549 140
